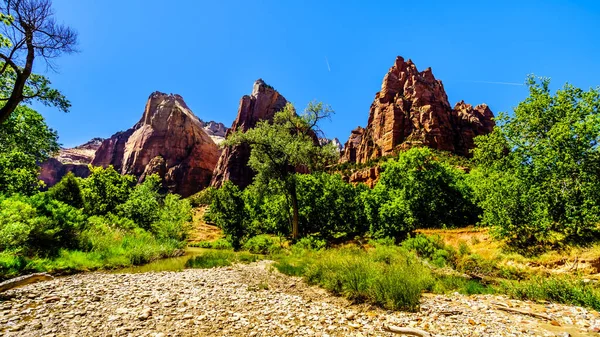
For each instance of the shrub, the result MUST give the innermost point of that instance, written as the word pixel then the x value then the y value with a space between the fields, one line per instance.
pixel 310 243
pixel 143 204
pixel 173 219
pixel 211 260
pixel 202 198
pixel 562 289
pixel 68 191
pixel 262 244
pixel 17 220
pixel 222 244
pixel 228 212
pixel 329 206
pixel 386 276
pixel 25 141
pixel 418 191
pixel 105 189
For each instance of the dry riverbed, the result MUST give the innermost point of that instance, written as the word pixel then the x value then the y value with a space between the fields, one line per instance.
pixel 255 300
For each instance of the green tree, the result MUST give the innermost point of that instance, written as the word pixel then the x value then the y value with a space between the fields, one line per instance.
pixel 68 191
pixel 25 141
pixel 105 189
pixel 330 206
pixel 418 190
pixel 281 147
pixel 538 173
pixel 31 32
pixel 228 211
pixel 143 204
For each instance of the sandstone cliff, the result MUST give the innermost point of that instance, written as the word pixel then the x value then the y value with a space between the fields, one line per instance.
pixel 412 109
pixel 169 140
pixel 262 104
pixel 69 160
pixel 215 130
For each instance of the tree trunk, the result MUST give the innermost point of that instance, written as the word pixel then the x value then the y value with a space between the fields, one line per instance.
pixel 16 96
pixel 294 199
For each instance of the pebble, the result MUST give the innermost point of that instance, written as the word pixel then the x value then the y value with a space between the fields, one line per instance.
pixel 230 302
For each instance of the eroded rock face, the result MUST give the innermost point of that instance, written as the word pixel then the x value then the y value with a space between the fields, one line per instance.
pixel 215 130
pixel 169 130
pixel 262 104
pixel 412 109
pixel 336 143
pixel 74 160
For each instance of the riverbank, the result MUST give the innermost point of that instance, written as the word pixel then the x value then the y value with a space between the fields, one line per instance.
pixel 256 300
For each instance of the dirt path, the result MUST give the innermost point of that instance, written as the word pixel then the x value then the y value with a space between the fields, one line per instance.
pixel 253 300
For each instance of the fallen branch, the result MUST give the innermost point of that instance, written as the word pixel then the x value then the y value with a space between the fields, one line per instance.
pixel 23 280
pixel 406 331
pixel 522 312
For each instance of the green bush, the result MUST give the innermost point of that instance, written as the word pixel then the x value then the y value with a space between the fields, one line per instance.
pixel 105 189
pixel 174 219
pixel 222 244
pixel 263 244
pixel 143 204
pixel 310 243
pixel 329 206
pixel 228 211
pixel 25 141
pixel 202 198
pixel 418 191
pixel 211 260
pixel 386 276
pixel 562 289
pixel 68 191
pixel 431 248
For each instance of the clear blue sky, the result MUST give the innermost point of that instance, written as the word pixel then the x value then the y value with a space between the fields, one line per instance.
pixel 211 52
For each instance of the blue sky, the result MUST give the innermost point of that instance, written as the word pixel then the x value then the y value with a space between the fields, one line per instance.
pixel 211 52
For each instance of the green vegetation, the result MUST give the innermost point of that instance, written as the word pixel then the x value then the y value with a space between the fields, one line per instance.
pixel 72 227
pixel 387 276
pixel 25 141
pixel 223 258
pixel 537 173
pixel 280 147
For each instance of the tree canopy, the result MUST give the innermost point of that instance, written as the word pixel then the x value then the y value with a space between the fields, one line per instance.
pixel 537 175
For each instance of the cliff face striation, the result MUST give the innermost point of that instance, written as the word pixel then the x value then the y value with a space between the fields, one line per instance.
pixel 262 104
pixel 412 109
pixel 168 140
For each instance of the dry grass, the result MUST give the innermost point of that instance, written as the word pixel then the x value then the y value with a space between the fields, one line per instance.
pixel 201 231
pixel 571 260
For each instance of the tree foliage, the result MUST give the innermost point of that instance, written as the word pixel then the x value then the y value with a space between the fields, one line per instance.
pixel 25 141
pixel 418 191
pixel 105 189
pixel 288 144
pixel 537 177
pixel 30 32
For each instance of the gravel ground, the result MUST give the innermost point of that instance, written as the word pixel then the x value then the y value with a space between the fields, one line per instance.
pixel 255 300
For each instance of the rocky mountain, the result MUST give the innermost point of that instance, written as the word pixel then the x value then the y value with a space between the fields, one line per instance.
pixel 69 160
pixel 215 130
pixel 169 140
pixel 336 142
pixel 262 104
pixel 412 109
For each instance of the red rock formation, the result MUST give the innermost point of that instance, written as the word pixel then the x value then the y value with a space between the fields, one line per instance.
pixel 74 160
pixel 412 109
pixel 262 104
pixel 170 130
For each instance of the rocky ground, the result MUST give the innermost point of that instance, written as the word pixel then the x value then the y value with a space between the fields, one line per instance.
pixel 255 300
